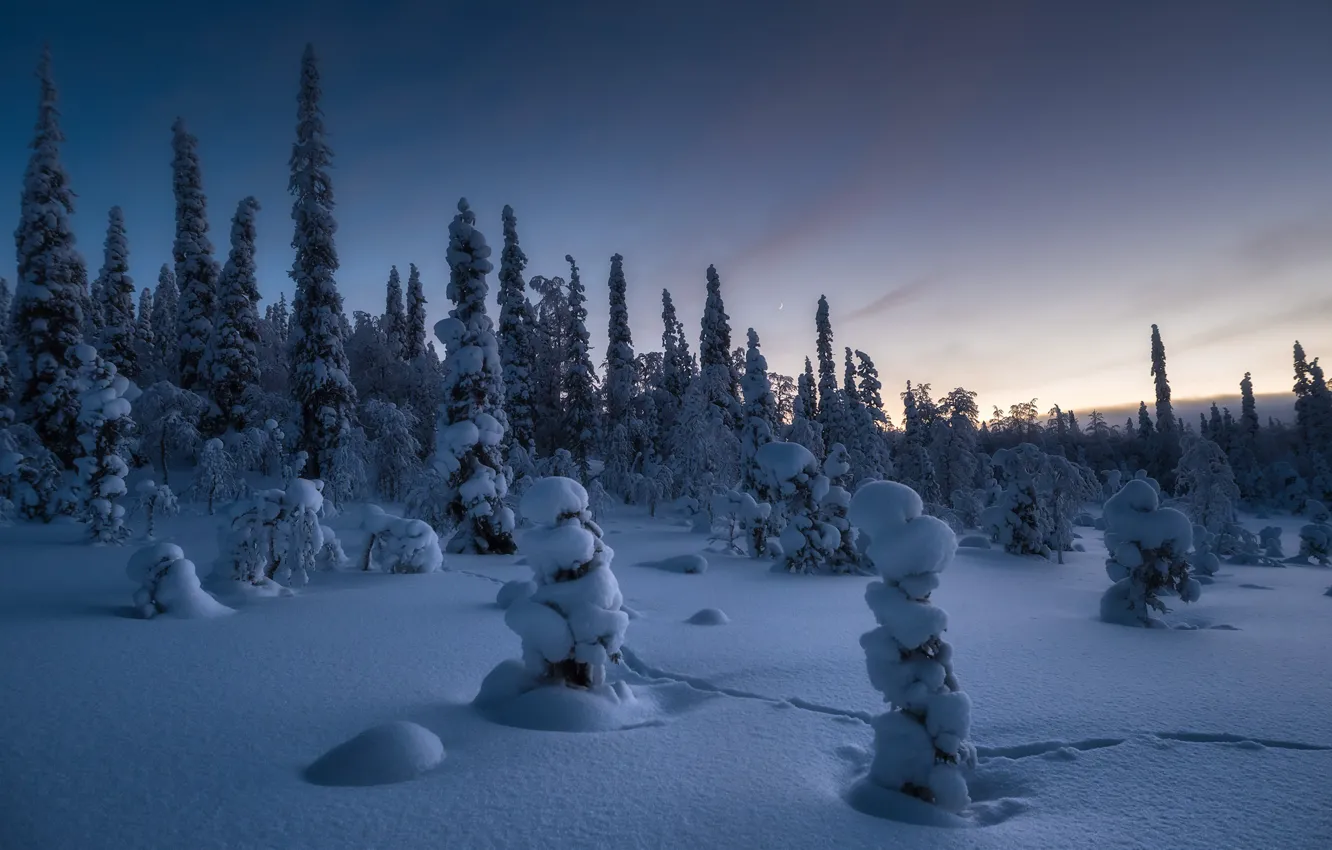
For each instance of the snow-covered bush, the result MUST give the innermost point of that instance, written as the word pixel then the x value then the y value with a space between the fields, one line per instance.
pixel 395 453
pixel 168 424
pixel 833 508
pixel 1270 539
pixel 275 536
pixel 1317 512
pixel 168 584
pixel 789 469
pixel 215 478
pixel 1014 520
pixel 920 743
pixel 735 517
pixel 104 430
pixel 571 625
pixel 399 545
pixel 1205 485
pixel 1315 544
pixel 154 503
pixel 29 473
pixel 1148 548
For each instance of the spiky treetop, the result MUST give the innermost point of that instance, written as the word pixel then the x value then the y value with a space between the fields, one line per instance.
pixel 827 365
pixel 196 270
pixel 117 299
pixel 395 315
pixel 234 350
pixel 1165 414
pixel 414 341
pixel 517 324
pixel 620 349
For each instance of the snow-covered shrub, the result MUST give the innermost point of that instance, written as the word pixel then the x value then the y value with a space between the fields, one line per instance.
pixel 1270 539
pixel 1205 485
pixel 1114 479
pixel 423 500
pixel 1246 548
pixel 1204 560
pixel 154 503
pixel 571 625
pixel 967 503
pixel 789 469
pixel 395 453
pixel 1317 512
pixel 735 517
pixel 1315 544
pixel 168 424
pixel 833 508
pixel 920 743
pixel 1290 491
pixel 654 484
pixel 168 584
pixel 29 473
pixel 274 535
pixel 104 430
pixel 1148 548
pixel 598 499
pixel 399 545
pixel 1062 488
pixel 215 478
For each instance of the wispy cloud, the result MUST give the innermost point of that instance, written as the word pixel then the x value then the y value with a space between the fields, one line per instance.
pixel 1250 325
pixel 902 295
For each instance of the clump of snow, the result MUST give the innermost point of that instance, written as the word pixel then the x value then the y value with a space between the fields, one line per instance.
pixel 1148 546
pixel 394 752
pixel 399 545
pixel 508 697
pixel 168 585
pixel 571 625
pixel 709 617
pixel 920 744
pixel 692 564
pixel 512 591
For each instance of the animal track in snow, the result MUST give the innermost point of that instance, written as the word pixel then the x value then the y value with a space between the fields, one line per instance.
pixel 1040 748
pixel 1240 740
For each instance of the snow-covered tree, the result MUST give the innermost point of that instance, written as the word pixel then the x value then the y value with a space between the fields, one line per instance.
pixel 572 626
pixel 399 545
pixel 913 465
pixel 517 329
pixel 920 743
pixel 829 398
pixel 145 339
pixel 804 428
pixel 394 322
pixel 169 420
pixel 319 369
pixel 1205 484
pixel 620 426
pixel 215 478
pixel 580 379
pixel 116 301
pixel 834 508
pixel 471 428
pixel 154 502
pixel 48 301
pixel 29 473
pixel 756 432
pixel 396 453
pixel 105 427
pixel 232 358
pixel 166 325
pixel 1014 520
pixel 6 375
pixel 275 536
pixel 717 369
pixel 807 542
pixel 1148 548
pixel 414 338
pixel 168 584
pixel 196 270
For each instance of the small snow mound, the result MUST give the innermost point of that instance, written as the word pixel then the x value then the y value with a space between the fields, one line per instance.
pixel 688 564
pixel 512 591
pixel 511 696
pixel 550 499
pixel 870 798
pixel 709 617
pixel 974 541
pixel 394 752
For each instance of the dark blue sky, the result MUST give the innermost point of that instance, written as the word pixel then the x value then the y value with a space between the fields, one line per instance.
pixel 999 195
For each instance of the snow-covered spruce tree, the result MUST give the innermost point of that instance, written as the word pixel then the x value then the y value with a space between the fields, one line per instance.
pixel 1205 484
pixel 196 270
pixel 105 427
pixel 396 453
pixel 47 313
pixel 319 368
pixel 914 466
pixel 872 457
pixel 169 420
pixel 804 428
pixel 93 304
pixel 145 340
pixel 717 370
pixel 1014 520
pixel 807 542
pixel 166 325
pixel 580 379
pixel 215 478
pixel 6 374
pixel 920 743
pixel 677 370
pixel 1062 487
pixel 572 626
pixel 232 358
pixel 953 449
pixel 394 322
pixel 471 428
pixel 399 545
pixel 275 536
pixel 517 327
pixel 833 510
pixel 703 451
pixel 168 584
pixel 116 301
pixel 414 338
pixel 29 473
pixel 1148 546
pixel 619 425
pixel 154 502
pixel 760 411
pixel 1167 451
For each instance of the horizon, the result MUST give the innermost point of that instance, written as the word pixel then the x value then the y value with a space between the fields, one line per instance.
pixel 1101 169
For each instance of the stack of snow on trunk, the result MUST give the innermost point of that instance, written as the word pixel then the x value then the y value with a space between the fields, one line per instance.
pixel 1148 548
pixel 572 625
pixel 920 744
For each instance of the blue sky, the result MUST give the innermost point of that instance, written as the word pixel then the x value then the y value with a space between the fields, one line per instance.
pixel 1003 196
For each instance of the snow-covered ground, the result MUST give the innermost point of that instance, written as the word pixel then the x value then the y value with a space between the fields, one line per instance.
pixel 119 732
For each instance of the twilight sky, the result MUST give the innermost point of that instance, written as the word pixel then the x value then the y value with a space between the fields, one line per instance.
pixel 1002 196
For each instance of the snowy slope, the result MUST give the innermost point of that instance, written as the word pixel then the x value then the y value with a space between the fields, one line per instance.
pixel 117 732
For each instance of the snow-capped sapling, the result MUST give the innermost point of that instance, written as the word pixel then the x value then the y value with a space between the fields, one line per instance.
pixel 168 584
pixel 1148 548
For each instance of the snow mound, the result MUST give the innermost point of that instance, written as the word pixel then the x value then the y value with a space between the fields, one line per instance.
pixel 709 617
pixel 394 752
pixel 974 541
pixel 169 585
pixel 688 564
pixel 511 696
pixel 512 591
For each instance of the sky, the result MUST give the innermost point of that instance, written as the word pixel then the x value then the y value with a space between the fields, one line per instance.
pixel 1000 196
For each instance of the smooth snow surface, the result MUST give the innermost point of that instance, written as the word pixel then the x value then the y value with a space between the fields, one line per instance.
pixel 394 752
pixel 691 564
pixel 116 733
